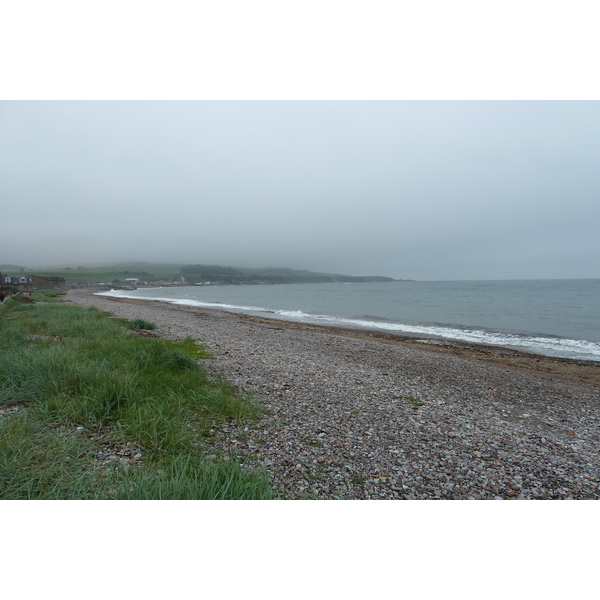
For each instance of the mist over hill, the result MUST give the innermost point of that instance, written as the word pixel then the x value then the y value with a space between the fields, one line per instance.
pixel 192 274
pixel 457 190
pixel 198 273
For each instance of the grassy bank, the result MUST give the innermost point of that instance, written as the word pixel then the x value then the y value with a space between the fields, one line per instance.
pixel 91 410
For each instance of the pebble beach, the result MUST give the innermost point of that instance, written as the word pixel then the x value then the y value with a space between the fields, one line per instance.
pixel 357 415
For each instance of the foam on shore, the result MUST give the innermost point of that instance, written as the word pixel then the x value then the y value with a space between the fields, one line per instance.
pixel 544 345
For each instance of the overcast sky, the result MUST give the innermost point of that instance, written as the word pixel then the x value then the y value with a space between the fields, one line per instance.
pixel 407 189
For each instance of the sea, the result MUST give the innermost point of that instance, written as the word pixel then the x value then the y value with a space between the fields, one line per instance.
pixel 554 317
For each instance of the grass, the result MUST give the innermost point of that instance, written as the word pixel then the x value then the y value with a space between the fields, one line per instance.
pixel 416 402
pixel 141 324
pixel 188 478
pixel 312 441
pixel 74 373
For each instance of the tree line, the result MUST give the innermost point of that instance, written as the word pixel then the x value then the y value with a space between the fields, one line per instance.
pixel 210 270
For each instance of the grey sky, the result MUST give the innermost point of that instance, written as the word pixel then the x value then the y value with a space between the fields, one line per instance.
pixel 420 190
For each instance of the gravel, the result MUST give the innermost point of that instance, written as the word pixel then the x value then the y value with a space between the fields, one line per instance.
pixel 355 417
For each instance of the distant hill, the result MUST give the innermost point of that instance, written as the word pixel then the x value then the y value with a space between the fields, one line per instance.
pixel 216 273
pixel 119 272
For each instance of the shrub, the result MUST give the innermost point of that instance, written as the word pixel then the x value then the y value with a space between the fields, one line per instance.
pixel 141 324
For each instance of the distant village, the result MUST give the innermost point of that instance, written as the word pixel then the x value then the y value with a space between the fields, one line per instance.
pixel 190 275
pixel 132 283
pixel 12 284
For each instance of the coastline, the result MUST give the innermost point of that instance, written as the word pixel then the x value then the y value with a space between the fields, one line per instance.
pixel 573 370
pixel 366 414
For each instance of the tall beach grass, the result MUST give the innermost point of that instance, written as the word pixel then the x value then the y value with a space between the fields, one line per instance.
pixel 69 374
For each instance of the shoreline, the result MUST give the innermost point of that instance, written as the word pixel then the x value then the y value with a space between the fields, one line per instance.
pixel 568 369
pixel 524 333
pixel 357 415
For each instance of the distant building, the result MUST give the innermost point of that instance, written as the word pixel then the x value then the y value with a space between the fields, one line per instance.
pixel 48 283
pixel 9 283
pixel 16 281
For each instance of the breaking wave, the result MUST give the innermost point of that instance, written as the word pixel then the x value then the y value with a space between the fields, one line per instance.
pixel 551 346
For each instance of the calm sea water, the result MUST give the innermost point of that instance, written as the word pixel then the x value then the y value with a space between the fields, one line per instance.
pixel 552 317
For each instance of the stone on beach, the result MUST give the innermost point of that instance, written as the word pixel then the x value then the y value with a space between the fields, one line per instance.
pixel 343 419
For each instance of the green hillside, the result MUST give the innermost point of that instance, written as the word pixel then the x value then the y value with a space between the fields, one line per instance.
pixel 197 273
pixel 238 275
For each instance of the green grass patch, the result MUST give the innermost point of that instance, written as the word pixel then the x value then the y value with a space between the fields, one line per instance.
pixel 192 348
pixel 311 441
pixel 38 461
pixel 141 324
pixel 48 295
pixel 188 477
pixel 416 402
pixel 66 367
